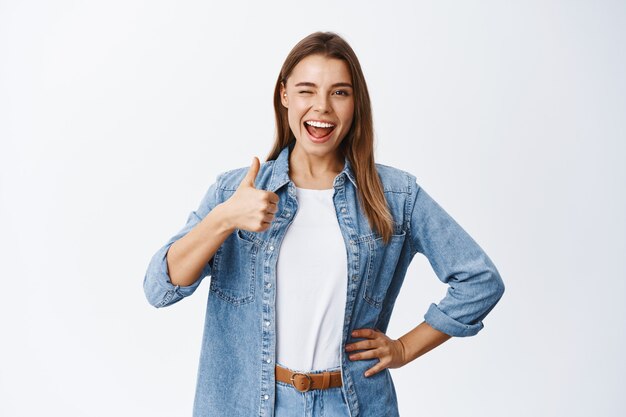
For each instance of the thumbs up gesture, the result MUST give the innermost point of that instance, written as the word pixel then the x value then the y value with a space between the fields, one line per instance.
pixel 251 209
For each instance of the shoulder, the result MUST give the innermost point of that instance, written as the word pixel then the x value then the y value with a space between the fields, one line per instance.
pixel 396 180
pixel 230 180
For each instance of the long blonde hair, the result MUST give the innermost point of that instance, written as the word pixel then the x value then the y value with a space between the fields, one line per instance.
pixel 358 145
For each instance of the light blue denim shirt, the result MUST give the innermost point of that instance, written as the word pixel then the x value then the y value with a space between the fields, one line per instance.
pixel 236 370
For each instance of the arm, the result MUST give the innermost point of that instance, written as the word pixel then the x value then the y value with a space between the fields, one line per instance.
pixel 394 353
pixel 159 286
pixel 176 270
pixel 474 284
pixel 420 340
pixel 187 256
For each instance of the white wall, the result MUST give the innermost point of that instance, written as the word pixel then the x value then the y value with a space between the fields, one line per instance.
pixel 115 116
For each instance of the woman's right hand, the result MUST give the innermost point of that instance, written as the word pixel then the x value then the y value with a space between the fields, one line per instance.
pixel 248 208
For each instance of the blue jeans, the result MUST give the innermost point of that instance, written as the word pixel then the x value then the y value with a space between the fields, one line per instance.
pixel 328 402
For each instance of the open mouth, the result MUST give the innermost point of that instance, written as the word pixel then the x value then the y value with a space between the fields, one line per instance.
pixel 319 129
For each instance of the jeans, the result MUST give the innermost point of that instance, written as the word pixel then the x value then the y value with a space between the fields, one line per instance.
pixel 328 402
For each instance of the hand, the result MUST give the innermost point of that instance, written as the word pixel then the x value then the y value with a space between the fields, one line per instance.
pixel 390 352
pixel 248 208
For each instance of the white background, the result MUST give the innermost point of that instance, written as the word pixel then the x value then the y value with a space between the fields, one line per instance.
pixel 116 116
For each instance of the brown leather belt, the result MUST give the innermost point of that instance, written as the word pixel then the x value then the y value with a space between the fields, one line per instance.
pixel 304 382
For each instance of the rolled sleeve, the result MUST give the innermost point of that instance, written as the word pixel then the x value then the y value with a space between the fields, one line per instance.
pixel 474 284
pixel 157 284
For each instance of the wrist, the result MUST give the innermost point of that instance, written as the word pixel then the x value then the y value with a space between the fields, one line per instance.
pixel 403 351
pixel 223 219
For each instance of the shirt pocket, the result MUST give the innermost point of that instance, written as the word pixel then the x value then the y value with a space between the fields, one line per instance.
pixel 381 265
pixel 234 268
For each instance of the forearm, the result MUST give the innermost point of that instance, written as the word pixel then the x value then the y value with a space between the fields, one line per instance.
pixel 420 340
pixel 187 256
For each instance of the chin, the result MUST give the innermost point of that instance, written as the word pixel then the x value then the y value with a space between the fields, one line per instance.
pixel 317 149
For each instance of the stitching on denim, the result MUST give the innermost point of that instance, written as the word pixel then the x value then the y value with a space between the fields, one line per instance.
pixel 167 297
pixel 271 183
pixel 250 237
pixel 410 209
pixel 223 294
pixel 230 172
pixel 374 246
pixel 220 179
pixel 368 279
pixel 394 170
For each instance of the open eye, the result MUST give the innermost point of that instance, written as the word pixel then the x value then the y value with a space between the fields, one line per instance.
pixel 341 93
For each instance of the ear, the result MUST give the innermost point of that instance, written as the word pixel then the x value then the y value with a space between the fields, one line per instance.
pixel 283 96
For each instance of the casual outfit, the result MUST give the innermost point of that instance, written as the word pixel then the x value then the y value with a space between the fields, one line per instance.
pixel 257 298
pixel 311 285
pixel 295 402
pixel 311 278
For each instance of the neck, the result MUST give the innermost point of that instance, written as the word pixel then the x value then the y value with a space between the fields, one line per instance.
pixel 314 171
pixel 314 166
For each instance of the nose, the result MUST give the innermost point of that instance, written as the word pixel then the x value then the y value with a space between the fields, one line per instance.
pixel 322 104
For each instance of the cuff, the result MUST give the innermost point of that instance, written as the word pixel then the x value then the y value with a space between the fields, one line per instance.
pixel 157 285
pixel 444 323
pixel 164 273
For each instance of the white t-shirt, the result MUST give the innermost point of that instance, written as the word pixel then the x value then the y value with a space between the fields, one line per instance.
pixel 311 285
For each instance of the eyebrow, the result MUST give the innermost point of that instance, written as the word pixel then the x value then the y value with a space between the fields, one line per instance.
pixel 309 84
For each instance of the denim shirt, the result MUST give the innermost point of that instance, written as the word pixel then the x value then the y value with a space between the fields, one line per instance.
pixel 236 370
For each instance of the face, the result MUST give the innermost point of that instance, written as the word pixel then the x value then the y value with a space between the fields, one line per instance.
pixel 319 99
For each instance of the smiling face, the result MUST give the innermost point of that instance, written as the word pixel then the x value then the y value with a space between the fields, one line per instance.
pixel 320 104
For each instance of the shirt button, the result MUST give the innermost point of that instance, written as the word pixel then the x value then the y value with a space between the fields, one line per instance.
pixel 355 277
pixel 267 323
pixel 268 285
pixel 352 242
pixel 343 209
pixel 271 247
pixel 267 397
pixel 268 360
pixel 286 214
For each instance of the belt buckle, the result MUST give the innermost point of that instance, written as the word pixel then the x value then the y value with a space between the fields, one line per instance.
pixel 307 377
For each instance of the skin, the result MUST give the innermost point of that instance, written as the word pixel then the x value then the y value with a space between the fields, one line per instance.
pixel 247 209
pixel 318 88
pixel 325 95
pixel 394 353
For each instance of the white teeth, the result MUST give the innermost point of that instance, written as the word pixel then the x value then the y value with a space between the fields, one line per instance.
pixel 319 124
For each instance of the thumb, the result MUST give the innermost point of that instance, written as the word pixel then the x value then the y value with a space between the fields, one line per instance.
pixel 252 173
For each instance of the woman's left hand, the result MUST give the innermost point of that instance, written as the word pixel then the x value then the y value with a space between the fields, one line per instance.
pixel 390 352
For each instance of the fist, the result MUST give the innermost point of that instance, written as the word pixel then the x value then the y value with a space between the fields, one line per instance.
pixel 251 209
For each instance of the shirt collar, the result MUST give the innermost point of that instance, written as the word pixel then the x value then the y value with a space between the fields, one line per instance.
pixel 280 171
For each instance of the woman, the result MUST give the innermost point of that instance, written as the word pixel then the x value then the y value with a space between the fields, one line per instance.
pixel 307 253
